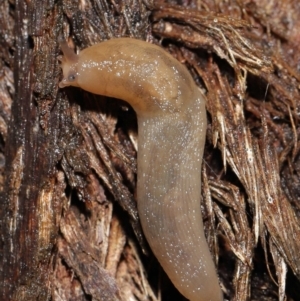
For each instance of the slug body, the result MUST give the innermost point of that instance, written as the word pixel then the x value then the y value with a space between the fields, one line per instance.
pixel 172 128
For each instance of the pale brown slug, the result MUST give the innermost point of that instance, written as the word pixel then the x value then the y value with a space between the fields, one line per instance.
pixel 171 127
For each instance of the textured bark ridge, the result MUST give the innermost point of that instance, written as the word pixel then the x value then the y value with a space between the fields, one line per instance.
pixel 68 219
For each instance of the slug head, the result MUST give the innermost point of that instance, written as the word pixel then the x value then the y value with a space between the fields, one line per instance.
pixel 69 63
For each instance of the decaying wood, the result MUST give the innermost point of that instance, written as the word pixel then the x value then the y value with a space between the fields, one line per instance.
pixel 69 224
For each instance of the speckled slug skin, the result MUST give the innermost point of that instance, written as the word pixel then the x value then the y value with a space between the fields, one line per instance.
pixel 172 128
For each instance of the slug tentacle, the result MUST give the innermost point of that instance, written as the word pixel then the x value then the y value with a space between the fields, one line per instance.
pixel 69 63
pixel 172 129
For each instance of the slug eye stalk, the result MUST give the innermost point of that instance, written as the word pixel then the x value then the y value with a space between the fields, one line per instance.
pixel 68 64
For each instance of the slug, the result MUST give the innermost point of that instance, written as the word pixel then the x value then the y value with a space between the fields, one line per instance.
pixel 171 117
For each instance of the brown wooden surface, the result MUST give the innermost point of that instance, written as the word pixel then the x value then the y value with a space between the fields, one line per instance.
pixel 31 202
pixel 69 225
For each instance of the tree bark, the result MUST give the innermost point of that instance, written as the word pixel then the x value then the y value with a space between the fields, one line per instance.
pixel 30 204
pixel 69 225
